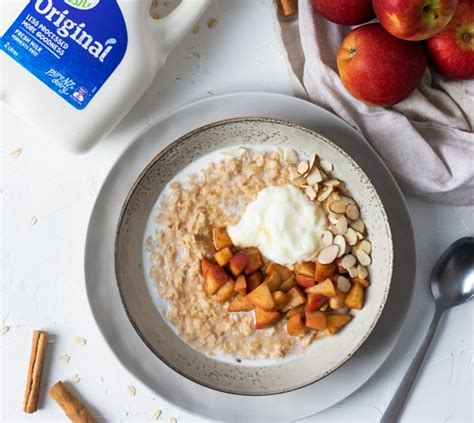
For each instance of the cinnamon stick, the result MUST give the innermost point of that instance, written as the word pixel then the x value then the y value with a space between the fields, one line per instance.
pixel 287 7
pixel 35 368
pixel 74 409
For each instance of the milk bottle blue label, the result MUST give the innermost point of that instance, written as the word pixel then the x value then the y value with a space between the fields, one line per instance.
pixel 72 46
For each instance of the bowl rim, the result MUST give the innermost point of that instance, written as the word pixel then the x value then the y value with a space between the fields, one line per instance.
pixel 135 187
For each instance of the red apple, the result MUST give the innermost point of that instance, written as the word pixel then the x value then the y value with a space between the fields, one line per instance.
pixel 345 12
pixel 452 49
pixel 377 67
pixel 414 20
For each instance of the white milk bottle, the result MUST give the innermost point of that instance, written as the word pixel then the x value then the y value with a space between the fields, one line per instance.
pixel 74 68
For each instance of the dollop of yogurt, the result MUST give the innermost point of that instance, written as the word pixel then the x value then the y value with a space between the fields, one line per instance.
pixel 282 223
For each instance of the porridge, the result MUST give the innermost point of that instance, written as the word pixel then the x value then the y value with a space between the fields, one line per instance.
pixel 259 254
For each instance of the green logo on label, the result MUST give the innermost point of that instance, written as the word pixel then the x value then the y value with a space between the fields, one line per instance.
pixel 83 4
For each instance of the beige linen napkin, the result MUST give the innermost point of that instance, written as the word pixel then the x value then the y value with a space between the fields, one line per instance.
pixel 426 140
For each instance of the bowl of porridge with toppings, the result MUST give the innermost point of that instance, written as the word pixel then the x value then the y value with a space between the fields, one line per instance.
pixel 253 256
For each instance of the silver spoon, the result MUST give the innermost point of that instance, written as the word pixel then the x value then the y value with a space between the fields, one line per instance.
pixel 452 283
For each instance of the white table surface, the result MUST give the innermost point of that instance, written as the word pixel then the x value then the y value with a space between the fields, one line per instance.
pixel 42 263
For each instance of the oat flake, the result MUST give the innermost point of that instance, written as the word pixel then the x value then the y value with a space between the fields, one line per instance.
pixel 75 379
pixel 33 220
pixel 156 415
pixel 131 390
pixel 211 23
pixel 173 420
pixel 15 153
pixel 64 359
pixel 80 341
pixel 4 329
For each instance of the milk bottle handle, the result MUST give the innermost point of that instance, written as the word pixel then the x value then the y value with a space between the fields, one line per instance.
pixel 172 28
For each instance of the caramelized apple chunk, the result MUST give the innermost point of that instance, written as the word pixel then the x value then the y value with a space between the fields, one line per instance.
pixel 255 260
pixel 264 318
pixel 335 322
pixel 221 238
pixel 223 256
pixel 295 325
pixel 261 297
pixel 238 263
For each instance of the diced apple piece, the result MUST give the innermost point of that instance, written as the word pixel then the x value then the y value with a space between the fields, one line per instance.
pixel 240 303
pixel 255 260
pixel 315 302
pixel 223 256
pixel 305 268
pixel 280 299
pixel 264 318
pixel 295 310
pixel 240 285
pixel 355 297
pixel 364 282
pixel 295 325
pixel 334 322
pixel 315 320
pixel 273 280
pixel 221 238
pixel 215 278
pixel 337 301
pixel 324 271
pixel 324 288
pixel 288 284
pixel 305 281
pixel 238 262
pixel 206 265
pixel 283 271
pixel 254 280
pixel 261 297
pixel 297 297
pixel 225 292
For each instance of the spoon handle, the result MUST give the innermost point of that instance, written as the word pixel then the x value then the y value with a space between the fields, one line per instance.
pixel 397 403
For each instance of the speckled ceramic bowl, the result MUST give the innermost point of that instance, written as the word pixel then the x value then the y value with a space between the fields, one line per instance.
pixel 145 310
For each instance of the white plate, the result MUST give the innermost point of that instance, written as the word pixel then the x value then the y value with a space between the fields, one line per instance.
pixel 133 353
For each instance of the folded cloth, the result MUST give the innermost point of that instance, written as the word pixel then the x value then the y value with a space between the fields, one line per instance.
pixel 426 140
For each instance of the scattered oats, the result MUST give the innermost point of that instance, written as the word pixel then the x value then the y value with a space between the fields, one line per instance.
pixel 303 167
pixel 343 284
pixel 260 160
pixel 195 29
pixel 324 194
pixel 352 272
pixel 64 359
pixel 326 166
pixel 341 225
pixel 358 225
pixel 33 220
pixel 173 420
pixel 80 341
pixel 341 243
pixel 211 23
pixel 310 192
pixel 327 238
pixel 156 415
pixel 15 153
pixel 131 390
pixel 348 261
pixel 362 272
pixel 365 246
pixel 352 212
pixel 363 257
pixel 4 329
pixel 314 177
pixel 351 236
pixel 75 379
pixel 328 254
pixel 338 206
pixel 290 155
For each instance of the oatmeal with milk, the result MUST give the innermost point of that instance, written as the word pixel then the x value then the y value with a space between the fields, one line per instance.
pixel 260 254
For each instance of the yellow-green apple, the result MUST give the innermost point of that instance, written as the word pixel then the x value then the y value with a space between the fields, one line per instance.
pixel 345 12
pixel 452 49
pixel 414 20
pixel 377 67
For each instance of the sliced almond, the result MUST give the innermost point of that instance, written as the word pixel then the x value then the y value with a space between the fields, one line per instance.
pixel 352 212
pixel 314 177
pixel 341 243
pixel 310 193
pixel 363 257
pixel 335 194
pixel 338 207
pixel 348 261
pixel 234 152
pixel 293 173
pixel 351 236
pixel 326 166
pixel 362 272
pixel 299 182
pixel 348 200
pixel 359 235
pixel 290 155
pixel 358 225
pixel 328 254
pixel 333 182
pixel 333 217
pixel 352 272
pixel 343 284
pixel 341 225
pixel 324 194
pixel 365 246
pixel 303 167
pixel 327 238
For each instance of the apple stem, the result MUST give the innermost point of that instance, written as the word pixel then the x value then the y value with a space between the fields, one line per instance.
pixel 466 37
